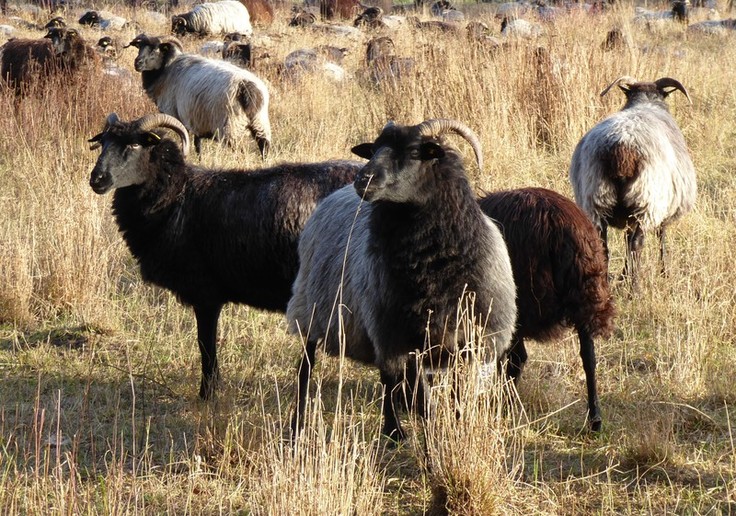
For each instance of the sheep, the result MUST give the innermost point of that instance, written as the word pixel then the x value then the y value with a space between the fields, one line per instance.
pixel 313 62
pixel 210 236
pixel 211 97
pixel 302 18
pixel 382 63
pixel 213 18
pixel 61 51
pixel 57 22
pixel 107 48
pixel 260 11
pixel 633 171
pixel 418 246
pixel 24 59
pixel 339 9
pixel 560 271
pixel 103 19
pixel 520 28
pixel 713 27
pixel 681 11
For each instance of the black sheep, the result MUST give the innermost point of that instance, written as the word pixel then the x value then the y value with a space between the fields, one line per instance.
pixel 560 272
pixel 209 236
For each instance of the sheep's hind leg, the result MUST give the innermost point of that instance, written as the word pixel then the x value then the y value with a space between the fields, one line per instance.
pixel 634 245
pixel 305 372
pixel 662 251
pixel 207 317
pixel 587 354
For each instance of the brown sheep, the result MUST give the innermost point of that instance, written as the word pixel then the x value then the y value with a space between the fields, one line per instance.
pixel 261 12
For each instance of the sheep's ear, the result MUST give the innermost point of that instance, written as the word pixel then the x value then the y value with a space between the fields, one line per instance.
pixel 364 150
pixel 431 150
pixel 95 141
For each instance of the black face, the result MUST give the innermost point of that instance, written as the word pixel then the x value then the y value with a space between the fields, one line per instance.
pixel 122 161
pixel 178 26
pixel 396 168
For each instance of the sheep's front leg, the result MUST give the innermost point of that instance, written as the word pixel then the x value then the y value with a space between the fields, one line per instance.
pixel 305 372
pixel 391 425
pixel 517 358
pixel 207 317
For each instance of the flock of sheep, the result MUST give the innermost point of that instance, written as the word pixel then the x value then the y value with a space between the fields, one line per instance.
pixel 381 252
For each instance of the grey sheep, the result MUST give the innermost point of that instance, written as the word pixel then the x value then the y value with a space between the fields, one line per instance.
pixel 213 18
pixel 633 170
pixel 213 98
pixel 396 267
pixel 210 236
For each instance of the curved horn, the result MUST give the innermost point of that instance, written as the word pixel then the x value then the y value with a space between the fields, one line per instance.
pixel 669 82
pixel 150 122
pixel 440 126
pixel 623 78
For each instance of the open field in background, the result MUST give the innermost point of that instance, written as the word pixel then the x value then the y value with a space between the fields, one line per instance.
pixel 99 372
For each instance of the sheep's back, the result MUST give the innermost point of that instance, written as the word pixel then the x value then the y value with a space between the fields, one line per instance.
pixel 201 93
pixel 221 17
pixel 228 236
pixel 635 159
pixel 21 58
pixel 558 262
pixel 324 267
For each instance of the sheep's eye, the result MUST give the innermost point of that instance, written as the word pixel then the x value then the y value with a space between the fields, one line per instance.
pixel 414 154
pixel 134 146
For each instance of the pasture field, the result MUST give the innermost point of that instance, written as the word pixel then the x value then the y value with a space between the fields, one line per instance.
pixel 99 372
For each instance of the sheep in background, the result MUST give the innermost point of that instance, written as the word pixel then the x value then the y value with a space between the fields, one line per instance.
pixel 57 22
pixel 312 61
pixel 713 27
pixel 260 11
pixel 560 271
pixel 616 39
pixel 209 236
pixel 61 51
pixel 374 18
pixel 633 170
pixel 384 66
pixel 418 246
pixel 681 11
pixel 108 48
pixel 22 60
pixel 103 20
pixel 213 18
pixel 213 98
pixel 520 28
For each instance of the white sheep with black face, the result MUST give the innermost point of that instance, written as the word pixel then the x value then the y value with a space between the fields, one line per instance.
pixel 399 264
pixel 633 170
pixel 213 98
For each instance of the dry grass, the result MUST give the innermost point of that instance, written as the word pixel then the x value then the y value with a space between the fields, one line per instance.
pixel 98 407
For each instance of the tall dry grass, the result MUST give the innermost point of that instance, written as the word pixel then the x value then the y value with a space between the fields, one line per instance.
pixel 98 408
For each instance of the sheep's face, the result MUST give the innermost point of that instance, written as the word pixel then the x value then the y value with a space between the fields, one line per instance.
pixel 91 18
pixel 154 55
pixel 124 156
pixel 178 25
pixel 62 39
pixel 399 169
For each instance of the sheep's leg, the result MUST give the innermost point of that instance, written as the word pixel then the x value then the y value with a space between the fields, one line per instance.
pixel 587 353
pixel 305 372
pixel 634 245
pixel 662 251
pixel 604 237
pixel 516 358
pixel 207 317
pixel 416 390
pixel 198 144
pixel 391 425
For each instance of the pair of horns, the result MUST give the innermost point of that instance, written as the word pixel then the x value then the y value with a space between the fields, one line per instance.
pixel 439 126
pixel 625 82
pixel 154 121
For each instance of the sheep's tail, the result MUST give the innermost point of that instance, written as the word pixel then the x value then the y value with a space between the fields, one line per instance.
pixel 621 162
pixel 255 106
